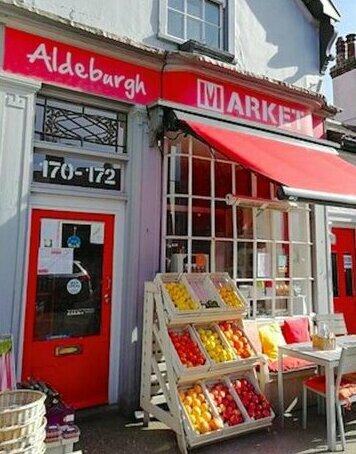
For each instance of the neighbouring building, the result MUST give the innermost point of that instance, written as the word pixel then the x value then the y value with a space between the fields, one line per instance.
pixel 166 137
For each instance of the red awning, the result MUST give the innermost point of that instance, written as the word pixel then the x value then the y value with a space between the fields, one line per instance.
pixel 304 171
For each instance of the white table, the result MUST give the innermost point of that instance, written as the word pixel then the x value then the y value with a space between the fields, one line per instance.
pixel 329 359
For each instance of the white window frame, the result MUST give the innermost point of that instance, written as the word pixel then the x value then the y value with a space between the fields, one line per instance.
pixel 304 300
pixel 226 36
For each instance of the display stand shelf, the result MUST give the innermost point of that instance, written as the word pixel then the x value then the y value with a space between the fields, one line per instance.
pixel 163 380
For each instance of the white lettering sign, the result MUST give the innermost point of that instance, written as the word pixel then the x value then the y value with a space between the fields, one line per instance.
pixel 132 86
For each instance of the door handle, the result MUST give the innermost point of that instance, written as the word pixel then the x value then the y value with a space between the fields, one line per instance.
pixel 107 290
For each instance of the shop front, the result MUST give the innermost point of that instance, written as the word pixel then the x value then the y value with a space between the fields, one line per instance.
pixel 175 165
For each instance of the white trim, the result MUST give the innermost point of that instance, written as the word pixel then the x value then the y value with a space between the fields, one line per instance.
pixel 82 204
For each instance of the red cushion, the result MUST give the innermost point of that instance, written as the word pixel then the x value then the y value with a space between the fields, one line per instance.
pixel 346 390
pixel 296 330
pixel 290 363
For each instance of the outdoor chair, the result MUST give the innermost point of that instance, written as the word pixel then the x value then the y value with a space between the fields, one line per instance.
pixel 335 322
pixel 345 387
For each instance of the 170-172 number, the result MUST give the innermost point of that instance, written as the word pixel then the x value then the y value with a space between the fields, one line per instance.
pixel 66 171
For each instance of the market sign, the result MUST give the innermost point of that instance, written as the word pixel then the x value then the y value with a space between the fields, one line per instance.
pixel 237 101
pixel 63 64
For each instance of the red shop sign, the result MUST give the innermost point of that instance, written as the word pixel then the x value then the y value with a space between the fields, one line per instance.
pixel 236 101
pixel 62 64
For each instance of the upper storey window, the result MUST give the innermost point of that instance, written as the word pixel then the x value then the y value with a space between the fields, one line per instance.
pixel 199 20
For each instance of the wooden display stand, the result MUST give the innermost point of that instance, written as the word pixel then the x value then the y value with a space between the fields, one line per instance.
pixel 162 376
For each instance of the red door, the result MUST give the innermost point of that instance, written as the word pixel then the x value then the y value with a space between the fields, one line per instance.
pixel 67 325
pixel 343 269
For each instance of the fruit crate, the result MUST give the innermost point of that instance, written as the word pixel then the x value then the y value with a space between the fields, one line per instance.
pixel 236 426
pixel 215 365
pixel 182 369
pixel 206 293
pixel 250 377
pixel 193 435
pixel 176 278
pixel 221 281
pixel 236 328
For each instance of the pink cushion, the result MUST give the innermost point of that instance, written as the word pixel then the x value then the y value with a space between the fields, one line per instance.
pixel 290 363
pixel 296 330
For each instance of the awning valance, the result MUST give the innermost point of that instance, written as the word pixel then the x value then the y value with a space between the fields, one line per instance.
pixel 304 171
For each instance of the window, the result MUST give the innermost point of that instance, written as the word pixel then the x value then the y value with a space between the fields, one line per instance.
pixel 79 145
pixel 199 20
pixel 266 251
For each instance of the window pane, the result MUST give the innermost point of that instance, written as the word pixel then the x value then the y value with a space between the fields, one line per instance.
pixel 301 260
pixel 282 260
pixel 298 225
pixel 177 182
pixel 176 4
pixel 246 289
pixel 263 187
pixel 177 216
pixel 176 255
pixel 244 223
pixel 264 260
pixel 264 289
pixel 175 24
pixel 201 177
pixel 244 260
pixel 201 149
pixel 263 224
pixel 194 29
pixel 280 225
pixel 201 256
pixel 263 308
pixel 223 179
pixel 201 219
pixel 195 8
pixel 282 288
pixel 282 308
pixel 223 220
pixel 224 252
pixel 212 13
pixel 335 274
pixel 212 36
pixel 347 260
pixel 243 182
pixel 300 292
pixel 178 143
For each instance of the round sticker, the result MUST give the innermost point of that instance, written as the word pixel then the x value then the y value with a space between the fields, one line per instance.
pixel 74 286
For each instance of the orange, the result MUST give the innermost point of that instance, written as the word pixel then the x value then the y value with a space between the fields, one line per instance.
pixel 204 427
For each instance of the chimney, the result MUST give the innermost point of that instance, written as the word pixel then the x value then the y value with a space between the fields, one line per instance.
pixel 351 46
pixel 340 51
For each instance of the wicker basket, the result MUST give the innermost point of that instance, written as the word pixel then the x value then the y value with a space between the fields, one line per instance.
pixel 20 406
pixel 20 431
pixel 25 442
pixel 38 448
pixel 323 343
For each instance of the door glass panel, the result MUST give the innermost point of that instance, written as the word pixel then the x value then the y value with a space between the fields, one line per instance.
pixel 69 279
pixel 335 274
pixel 348 274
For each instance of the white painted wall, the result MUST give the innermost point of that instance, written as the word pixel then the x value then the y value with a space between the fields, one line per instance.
pixel 344 87
pixel 276 38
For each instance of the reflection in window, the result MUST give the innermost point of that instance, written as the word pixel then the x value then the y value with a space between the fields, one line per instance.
pixel 201 222
pixel 177 216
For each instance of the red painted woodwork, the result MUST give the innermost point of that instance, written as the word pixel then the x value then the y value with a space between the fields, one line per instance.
pixel 82 379
pixel 344 302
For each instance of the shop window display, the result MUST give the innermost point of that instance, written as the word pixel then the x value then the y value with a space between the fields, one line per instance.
pixel 266 248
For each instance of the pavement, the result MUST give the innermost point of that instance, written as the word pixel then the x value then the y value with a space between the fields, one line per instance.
pixel 105 431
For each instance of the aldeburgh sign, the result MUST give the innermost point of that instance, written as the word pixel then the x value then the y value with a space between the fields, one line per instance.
pixel 63 64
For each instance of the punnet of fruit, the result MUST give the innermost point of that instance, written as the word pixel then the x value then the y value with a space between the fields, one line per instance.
pixel 200 415
pixel 237 339
pixel 225 404
pixel 256 404
pixel 181 297
pixel 230 297
pixel 187 349
pixel 214 346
